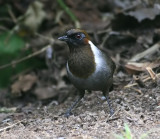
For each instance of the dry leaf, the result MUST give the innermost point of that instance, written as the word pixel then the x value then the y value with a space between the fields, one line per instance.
pixel 45 92
pixel 134 67
pixel 34 16
pixel 24 83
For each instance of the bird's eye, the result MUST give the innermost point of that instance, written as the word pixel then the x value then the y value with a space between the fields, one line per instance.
pixel 78 36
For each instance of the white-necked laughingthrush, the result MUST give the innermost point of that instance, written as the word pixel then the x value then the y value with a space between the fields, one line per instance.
pixel 88 67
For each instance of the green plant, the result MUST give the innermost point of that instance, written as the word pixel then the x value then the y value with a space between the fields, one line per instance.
pixel 12 48
pixel 126 134
pixel 69 12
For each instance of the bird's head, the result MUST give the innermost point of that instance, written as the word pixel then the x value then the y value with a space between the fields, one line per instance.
pixel 75 38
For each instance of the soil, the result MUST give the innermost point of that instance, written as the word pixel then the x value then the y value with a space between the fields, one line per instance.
pixel 91 119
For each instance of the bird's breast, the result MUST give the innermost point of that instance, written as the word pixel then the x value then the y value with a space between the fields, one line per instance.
pixel 94 79
pixel 81 62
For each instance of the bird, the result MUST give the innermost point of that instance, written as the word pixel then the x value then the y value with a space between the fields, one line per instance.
pixel 88 67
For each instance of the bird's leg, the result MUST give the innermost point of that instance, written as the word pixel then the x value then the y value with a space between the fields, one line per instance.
pixel 80 96
pixel 105 93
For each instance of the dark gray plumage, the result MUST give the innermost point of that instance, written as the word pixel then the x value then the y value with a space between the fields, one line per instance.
pixel 88 67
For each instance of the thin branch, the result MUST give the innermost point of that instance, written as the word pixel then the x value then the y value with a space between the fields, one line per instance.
pixel 69 12
pixel 25 58
pixel 151 73
pixel 10 126
pixel 11 14
pixel 45 37
pixel 147 52
pixel 144 80
pixel 137 90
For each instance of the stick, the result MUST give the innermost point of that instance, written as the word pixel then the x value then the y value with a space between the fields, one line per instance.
pixel 151 73
pixel 144 80
pixel 25 58
pixel 147 52
pixel 10 126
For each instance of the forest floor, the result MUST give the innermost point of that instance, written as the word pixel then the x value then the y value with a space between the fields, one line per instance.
pixel 91 118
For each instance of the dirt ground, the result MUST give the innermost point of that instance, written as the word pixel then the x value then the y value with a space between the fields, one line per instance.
pixel 116 27
pixel 91 118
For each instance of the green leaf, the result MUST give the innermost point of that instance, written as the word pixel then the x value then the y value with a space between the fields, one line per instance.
pixel 118 136
pixel 69 12
pixel 10 43
pixel 127 133
pixel 10 50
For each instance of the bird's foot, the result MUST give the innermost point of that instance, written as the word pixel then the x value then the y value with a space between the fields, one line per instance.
pixel 67 114
pixel 111 111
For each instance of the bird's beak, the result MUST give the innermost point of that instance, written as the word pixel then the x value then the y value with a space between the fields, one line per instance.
pixel 63 38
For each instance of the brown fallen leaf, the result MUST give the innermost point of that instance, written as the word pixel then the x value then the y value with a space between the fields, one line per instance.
pixel 45 92
pixel 135 67
pixel 23 84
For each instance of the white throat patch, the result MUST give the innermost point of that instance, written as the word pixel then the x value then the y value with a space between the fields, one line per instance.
pixel 98 56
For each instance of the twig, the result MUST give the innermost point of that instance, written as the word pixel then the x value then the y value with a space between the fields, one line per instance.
pixel 144 80
pixel 3 28
pixel 45 37
pixel 69 12
pixel 104 40
pixel 11 14
pixel 151 73
pixel 10 126
pixel 147 52
pixel 110 118
pixel 52 41
pixel 25 58
pixel 6 19
pixel 137 90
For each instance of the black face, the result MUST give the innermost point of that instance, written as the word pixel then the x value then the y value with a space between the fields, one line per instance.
pixel 74 38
